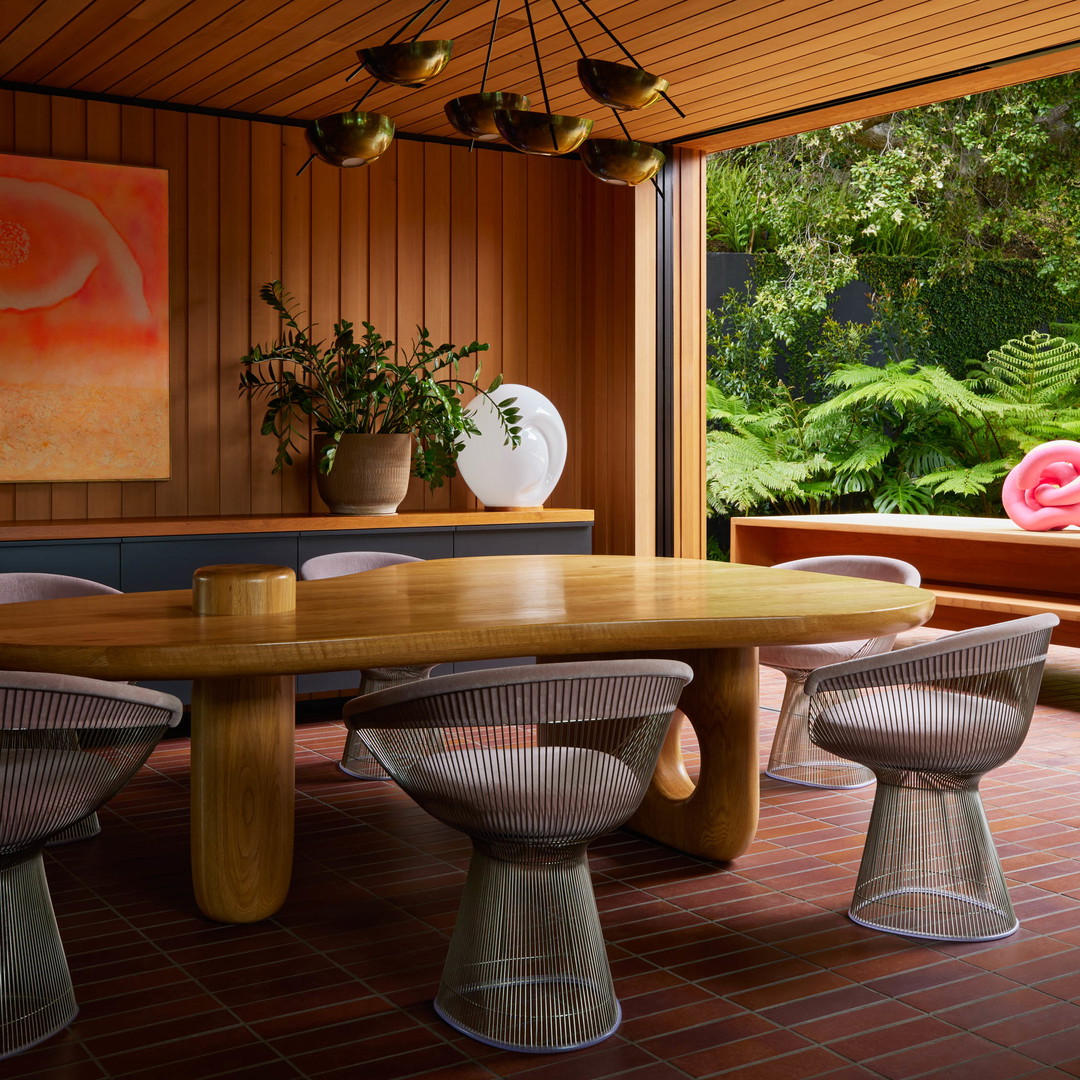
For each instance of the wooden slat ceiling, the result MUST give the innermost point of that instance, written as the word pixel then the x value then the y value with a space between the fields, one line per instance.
pixel 737 68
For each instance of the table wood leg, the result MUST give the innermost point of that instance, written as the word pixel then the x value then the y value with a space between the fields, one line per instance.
pixel 242 795
pixel 715 818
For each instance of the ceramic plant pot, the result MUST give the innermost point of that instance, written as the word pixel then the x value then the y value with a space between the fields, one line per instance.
pixel 370 474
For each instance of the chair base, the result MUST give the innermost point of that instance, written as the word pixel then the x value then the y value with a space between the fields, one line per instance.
pixel 36 996
pixel 497 991
pixel 358 761
pixel 929 868
pixel 82 830
pixel 835 774
pixel 901 910
pixel 527 967
pixel 794 759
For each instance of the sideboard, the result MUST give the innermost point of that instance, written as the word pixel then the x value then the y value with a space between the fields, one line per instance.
pixel 145 554
pixel 982 570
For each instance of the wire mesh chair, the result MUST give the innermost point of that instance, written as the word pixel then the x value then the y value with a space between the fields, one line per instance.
pixel 356 759
pixel 18 588
pixel 532 763
pixel 793 757
pixel 44 789
pixel 929 721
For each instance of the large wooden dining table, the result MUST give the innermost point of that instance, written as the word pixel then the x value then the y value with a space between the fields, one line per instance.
pixel 710 615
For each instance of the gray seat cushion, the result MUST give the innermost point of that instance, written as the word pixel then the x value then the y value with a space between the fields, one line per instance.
pixel 539 792
pixel 918 728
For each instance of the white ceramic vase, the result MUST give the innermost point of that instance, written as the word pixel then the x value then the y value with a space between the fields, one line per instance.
pixel 502 476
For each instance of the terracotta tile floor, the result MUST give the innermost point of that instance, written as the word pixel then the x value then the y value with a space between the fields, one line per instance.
pixel 749 970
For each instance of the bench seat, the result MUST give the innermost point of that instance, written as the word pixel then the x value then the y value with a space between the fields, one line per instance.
pixel 982 570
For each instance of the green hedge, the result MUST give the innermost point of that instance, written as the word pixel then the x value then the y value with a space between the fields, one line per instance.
pixel 974 311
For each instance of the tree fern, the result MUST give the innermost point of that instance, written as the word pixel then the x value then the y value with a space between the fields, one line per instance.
pixel 743 472
pixel 1034 370
pixel 903 385
pixel 973 480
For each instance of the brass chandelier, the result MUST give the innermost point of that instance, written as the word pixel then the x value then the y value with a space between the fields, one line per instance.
pixel 354 138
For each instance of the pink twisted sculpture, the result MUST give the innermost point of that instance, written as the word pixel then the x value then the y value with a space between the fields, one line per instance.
pixel 1043 492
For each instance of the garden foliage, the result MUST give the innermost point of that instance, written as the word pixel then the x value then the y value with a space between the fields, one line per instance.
pixel 963 218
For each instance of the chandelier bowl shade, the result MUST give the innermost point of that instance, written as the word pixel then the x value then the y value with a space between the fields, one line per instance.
pixel 350 139
pixel 621 161
pixel 620 86
pixel 474 114
pixel 407 63
pixel 547 134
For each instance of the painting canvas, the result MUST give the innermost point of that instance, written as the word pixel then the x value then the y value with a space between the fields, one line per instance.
pixel 84 321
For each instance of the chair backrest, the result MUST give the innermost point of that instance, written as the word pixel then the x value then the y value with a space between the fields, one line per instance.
pixel 874 567
pixel 69 744
pixel 551 748
pixel 962 703
pixel 21 587
pixel 339 563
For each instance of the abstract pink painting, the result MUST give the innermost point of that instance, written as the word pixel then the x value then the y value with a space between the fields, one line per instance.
pixel 84 321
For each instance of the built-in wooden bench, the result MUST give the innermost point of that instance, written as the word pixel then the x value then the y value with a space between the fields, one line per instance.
pixel 982 570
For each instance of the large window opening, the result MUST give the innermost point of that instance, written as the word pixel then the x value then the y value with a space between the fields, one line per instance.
pixel 894 308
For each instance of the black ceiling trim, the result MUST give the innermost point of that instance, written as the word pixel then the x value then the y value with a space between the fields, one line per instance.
pixel 230 114
pixel 870 95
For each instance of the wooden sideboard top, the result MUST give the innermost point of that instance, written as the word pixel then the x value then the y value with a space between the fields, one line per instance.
pixel 110 528
pixel 993 530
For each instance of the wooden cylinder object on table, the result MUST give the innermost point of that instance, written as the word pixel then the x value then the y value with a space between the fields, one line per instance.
pixel 243 589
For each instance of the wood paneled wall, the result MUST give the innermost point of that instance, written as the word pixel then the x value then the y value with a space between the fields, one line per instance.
pixel 531 255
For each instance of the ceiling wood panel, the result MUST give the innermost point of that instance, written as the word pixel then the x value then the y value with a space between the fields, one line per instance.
pixel 842 40
pixel 737 62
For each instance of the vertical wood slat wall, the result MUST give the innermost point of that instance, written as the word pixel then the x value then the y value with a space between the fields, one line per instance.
pixel 531 255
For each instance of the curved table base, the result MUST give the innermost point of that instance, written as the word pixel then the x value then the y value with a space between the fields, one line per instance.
pixel 716 818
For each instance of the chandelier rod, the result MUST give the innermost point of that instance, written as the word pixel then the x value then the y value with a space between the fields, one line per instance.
pixel 536 53
pixel 408 22
pixel 442 8
pixel 540 72
pixel 570 30
pixel 360 101
pixel 491 45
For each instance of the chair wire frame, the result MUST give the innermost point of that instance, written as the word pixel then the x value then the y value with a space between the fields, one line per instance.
pixel 49 783
pixel 357 760
pixel 930 721
pixel 793 757
pixel 20 587
pixel 532 763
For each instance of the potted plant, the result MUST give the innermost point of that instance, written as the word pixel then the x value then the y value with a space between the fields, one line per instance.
pixel 368 401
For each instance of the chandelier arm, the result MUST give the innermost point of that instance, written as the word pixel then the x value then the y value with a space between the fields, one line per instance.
pixel 491 45
pixel 441 9
pixel 629 55
pixel 364 95
pixel 408 22
pixel 570 30
pixel 305 165
pixel 539 65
